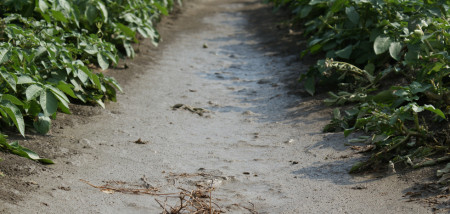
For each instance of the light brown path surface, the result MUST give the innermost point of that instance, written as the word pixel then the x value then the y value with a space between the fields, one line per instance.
pixel 255 143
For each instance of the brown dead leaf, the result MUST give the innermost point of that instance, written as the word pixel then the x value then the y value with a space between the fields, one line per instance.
pixel 140 141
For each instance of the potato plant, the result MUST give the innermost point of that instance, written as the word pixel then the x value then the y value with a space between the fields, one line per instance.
pixel 390 63
pixel 47 48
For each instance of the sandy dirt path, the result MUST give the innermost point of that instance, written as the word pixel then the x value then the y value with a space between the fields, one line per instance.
pixel 259 146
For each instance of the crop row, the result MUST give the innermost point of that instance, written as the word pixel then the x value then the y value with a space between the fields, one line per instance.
pixel 49 50
pixel 390 63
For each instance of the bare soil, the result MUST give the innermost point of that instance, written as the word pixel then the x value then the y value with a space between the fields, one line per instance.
pixel 212 120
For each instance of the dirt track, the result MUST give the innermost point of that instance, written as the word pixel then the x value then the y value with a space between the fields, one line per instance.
pixel 242 129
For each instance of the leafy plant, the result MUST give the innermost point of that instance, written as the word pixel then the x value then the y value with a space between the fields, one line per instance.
pixel 390 60
pixel 49 47
pixel 15 148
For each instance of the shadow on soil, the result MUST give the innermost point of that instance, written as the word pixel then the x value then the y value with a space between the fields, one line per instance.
pixel 262 69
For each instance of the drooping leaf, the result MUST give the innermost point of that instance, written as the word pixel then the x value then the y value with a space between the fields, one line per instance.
pixel 416 108
pixel 65 5
pixel 9 78
pixel 83 76
pixel 15 148
pixel 345 53
pixel 91 76
pixel 95 80
pixel 5 54
pixel 104 11
pixel 66 88
pixel 102 61
pixel 129 17
pixel 161 8
pixel 100 102
pixel 65 109
pixel 314 2
pixel 42 124
pixel 413 54
pixel 33 108
pixel 395 49
pixel 49 102
pixel 347 132
pixel 24 79
pixel 356 167
pixel 114 82
pixel 91 13
pixel 416 87
pixel 91 49
pixel 33 91
pixel 304 12
pixel 126 30
pixel 129 49
pixel 59 16
pixel 381 44
pixel 12 99
pixel 111 56
pixel 14 113
pixel 310 85
pixel 352 14
pixel 338 5
pixel 434 110
pixel 60 96
pixel 42 4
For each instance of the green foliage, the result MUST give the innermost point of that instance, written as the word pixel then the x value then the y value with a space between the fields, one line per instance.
pixel 17 149
pixel 390 61
pixel 47 50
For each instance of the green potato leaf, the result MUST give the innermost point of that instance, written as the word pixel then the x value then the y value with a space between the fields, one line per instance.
pixel 48 101
pixel 14 113
pixel 381 44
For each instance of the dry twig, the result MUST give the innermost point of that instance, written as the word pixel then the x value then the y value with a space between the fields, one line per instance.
pixel 195 201
pixel 138 191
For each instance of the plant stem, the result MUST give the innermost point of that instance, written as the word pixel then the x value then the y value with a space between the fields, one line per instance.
pixel 432 162
pixel 416 121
